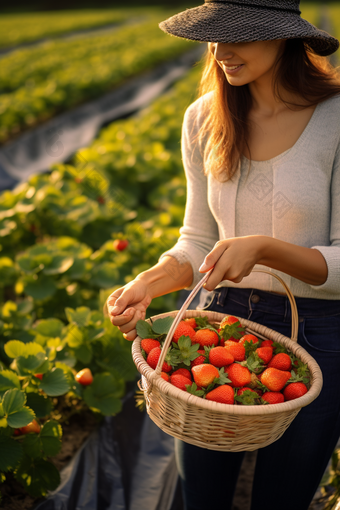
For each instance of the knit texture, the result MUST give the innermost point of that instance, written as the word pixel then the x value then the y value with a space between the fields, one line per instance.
pixel 302 205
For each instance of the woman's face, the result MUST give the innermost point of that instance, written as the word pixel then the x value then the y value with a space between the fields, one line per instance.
pixel 247 62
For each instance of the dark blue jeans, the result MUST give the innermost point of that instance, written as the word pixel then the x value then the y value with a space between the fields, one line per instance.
pixel 288 472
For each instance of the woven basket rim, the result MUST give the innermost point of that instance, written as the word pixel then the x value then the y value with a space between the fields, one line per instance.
pixel 251 410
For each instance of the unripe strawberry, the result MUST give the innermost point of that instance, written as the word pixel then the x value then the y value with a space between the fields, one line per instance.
pixel 206 337
pixel 153 358
pixel 220 357
pixel 147 344
pixel 180 381
pixel 183 371
pixel 31 427
pixel 295 390
pixel 223 394
pixel 183 329
pixel 84 377
pixel 204 374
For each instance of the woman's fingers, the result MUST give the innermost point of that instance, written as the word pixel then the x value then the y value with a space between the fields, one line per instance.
pixel 212 258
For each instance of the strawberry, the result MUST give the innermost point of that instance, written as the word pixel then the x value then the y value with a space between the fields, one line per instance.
pixel 275 379
pixel 31 427
pixel 206 337
pixel 281 361
pixel 267 343
pixel 148 344
pixel 120 244
pixel 183 329
pixel 220 357
pixel 273 397
pixel 231 328
pixel 84 377
pixel 295 390
pixel 200 360
pixel 236 349
pixel 239 376
pixel 183 371
pixel 153 358
pixel 223 394
pixel 246 396
pixel 39 376
pixel 265 353
pixel 165 376
pixel 249 338
pixel 191 322
pixel 180 381
pixel 204 374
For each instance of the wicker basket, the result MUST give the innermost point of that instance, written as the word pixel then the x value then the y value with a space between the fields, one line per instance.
pixel 210 424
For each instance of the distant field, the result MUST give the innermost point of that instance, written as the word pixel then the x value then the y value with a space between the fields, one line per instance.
pixel 334 13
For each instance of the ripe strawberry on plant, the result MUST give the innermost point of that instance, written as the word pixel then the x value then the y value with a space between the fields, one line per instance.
pixel 247 397
pixel 205 374
pixel 240 376
pixel 206 337
pixel 231 328
pixel 31 427
pixel 220 357
pixel 222 394
pixel 237 350
pixel 84 377
pixel 295 390
pixel 281 361
pixel 265 353
pixel 153 358
pixel 147 344
pixel 180 381
pixel 273 397
pixel 183 352
pixel 39 376
pixel 183 329
pixel 183 371
pixel 200 360
pixel 120 244
pixel 191 322
pixel 275 379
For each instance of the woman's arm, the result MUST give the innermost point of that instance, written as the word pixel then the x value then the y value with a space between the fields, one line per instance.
pixel 235 258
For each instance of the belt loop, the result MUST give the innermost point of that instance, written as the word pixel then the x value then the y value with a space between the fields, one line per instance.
pixel 221 295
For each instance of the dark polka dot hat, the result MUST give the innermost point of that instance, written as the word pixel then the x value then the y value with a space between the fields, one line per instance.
pixel 249 20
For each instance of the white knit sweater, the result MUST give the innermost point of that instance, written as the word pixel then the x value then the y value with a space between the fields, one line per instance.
pixel 294 197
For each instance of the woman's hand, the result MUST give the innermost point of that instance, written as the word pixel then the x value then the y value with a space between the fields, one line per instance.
pixel 232 259
pixel 128 305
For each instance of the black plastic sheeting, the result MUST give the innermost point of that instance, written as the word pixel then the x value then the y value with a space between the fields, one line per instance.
pixel 58 139
pixel 128 463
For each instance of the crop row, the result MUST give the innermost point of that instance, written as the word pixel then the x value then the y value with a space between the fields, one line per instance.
pixel 40 82
pixel 28 27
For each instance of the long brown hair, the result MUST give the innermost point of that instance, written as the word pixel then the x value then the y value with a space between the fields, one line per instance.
pixel 225 130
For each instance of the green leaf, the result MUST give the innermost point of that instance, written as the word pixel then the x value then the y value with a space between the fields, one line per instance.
pixel 105 275
pixel 162 326
pixel 55 383
pixel 104 394
pixel 41 405
pixel 60 264
pixel 84 353
pixel 41 288
pixel 8 380
pixel 74 336
pixel 11 453
pixel 13 401
pixel 45 444
pixel 248 398
pixel 144 330
pixel 49 327
pixel 38 476
pixel 81 316
pixel 21 418
pixel 31 364
pixel 15 348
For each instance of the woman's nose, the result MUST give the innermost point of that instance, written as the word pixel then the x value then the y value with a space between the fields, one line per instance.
pixel 222 51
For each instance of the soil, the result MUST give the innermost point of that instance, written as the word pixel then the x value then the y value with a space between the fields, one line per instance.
pixel 75 431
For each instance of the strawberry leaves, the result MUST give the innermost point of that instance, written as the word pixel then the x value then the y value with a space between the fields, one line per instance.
pixel 157 330
pixel 234 330
pixel 183 351
pixel 192 389
pixel 248 398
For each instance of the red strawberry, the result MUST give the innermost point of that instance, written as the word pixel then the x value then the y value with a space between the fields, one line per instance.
pixel 84 377
pixel 148 344
pixel 295 390
pixel 191 322
pixel 239 376
pixel 180 381
pixel 31 427
pixel 226 327
pixel 120 244
pixel 183 371
pixel 249 338
pixel 265 353
pixel 183 329
pixel 223 394
pixel 220 357
pixel 267 343
pixel 273 397
pixel 236 349
pixel 206 337
pixel 165 376
pixel 242 390
pixel 153 358
pixel 39 376
pixel 200 360
pixel 281 361
pixel 204 374
pixel 275 379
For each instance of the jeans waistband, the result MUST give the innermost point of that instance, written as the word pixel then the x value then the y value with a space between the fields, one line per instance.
pixel 264 301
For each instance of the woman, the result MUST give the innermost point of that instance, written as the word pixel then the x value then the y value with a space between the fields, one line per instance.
pixel 261 152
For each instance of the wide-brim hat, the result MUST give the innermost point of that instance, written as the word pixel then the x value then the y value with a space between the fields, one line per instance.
pixel 248 20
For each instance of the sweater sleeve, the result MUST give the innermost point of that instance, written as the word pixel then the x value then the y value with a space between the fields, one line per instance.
pixel 331 253
pixel 199 232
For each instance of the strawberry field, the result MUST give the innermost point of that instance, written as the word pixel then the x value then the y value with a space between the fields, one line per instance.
pixel 70 236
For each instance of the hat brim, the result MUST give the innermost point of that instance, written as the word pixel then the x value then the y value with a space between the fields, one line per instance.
pixel 219 22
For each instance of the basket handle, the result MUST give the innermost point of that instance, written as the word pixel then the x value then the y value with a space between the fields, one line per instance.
pixel 185 306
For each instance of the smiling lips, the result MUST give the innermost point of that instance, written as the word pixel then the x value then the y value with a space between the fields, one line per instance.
pixel 232 69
